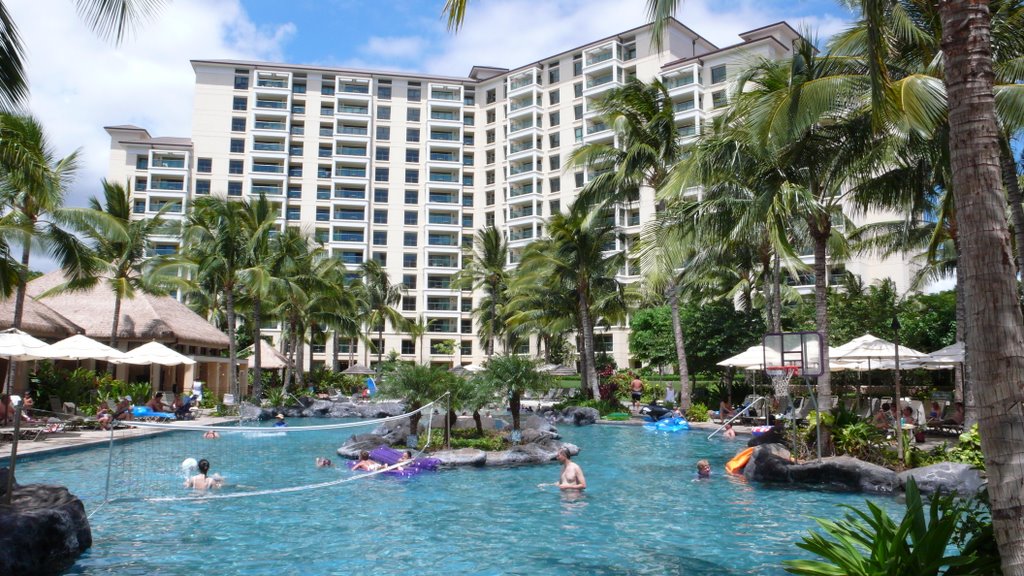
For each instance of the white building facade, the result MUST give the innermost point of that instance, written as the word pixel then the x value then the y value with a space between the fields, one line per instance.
pixel 404 169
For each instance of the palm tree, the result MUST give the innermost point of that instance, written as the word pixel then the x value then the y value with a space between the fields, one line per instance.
pixel 214 241
pixel 260 273
pixel 109 19
pixel 575 258
pixel 485 271
pixel 36 205
pixel 417 330
pixel 122 251
pixel 381 298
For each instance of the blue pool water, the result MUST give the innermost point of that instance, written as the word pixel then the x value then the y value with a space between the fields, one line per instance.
pixel 642 514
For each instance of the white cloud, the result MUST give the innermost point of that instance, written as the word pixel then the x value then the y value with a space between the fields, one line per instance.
pixel 79 83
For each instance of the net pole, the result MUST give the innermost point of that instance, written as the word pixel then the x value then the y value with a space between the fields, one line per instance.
pixel 110 461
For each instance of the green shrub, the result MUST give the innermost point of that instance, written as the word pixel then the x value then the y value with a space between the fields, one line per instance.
pixel 465 438
pixel 968 450
pixel 697 412
pixel 860 440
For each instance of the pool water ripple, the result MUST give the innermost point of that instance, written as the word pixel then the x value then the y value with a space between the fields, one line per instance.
pixel 643 515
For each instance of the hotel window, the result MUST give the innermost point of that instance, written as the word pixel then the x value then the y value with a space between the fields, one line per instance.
pixel 555 161
pixel 294 150
pixel 408 347
pixel 579 179
pixel 380 238
pixel 489 199
pixel 490 136
pixel 237 146
pixel 383 132
pixel 409 281
pixel 718 74
pixel 553 97
pixel 384 113
pixel 554 207
pixel 411 217
pixel 577 89
pixel 466 348
pixel 238 124
pixel 577 65
pixel 553 75
pixel 384 92
pixel 202 186
pixel 380 194
pixel 380 175
pixel 409 302
pixel 234 188
pixel 492 96
pixel 412 176
pixel 554 119
pixel 241 82
pixel 381 258
pixel 414 94
pixel 555 184
pixel 489 219
pixel 489 177
pixel 467 325
pixel 467 200
pixel 383 153
pixel 489 155
pixel 141 162
pixel 492 115
pixel 412 155
pixel 467 305
pixel 409 239
pixel 578 134
pixel 408 260
pixel 577 112
pixel 380 216
pixel 554 140
pixel 236 167
pixel 718 99
pixel 412 134
pixel 240 103
pixel 412 115
pixel 411 197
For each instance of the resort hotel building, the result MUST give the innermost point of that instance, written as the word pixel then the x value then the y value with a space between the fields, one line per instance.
pixel 405 168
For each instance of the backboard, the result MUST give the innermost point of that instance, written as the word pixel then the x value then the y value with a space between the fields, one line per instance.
pixel 801 349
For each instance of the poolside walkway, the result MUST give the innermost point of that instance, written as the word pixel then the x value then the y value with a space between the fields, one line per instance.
pixel 73 439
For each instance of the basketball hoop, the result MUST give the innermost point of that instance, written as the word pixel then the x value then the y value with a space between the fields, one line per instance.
pixel 780 376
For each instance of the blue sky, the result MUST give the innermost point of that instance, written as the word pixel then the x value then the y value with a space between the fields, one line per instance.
pixel 80 83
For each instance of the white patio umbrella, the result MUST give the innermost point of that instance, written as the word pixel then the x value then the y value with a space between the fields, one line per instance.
pixel 18 346
pixel 81 347
pixel 155 353
pixel 942 359
pixel 750 359
pixel 870 348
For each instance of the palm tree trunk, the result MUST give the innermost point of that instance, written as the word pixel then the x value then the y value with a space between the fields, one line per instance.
pixel 820 236
pixel 677 330
pixel 380 345
pixel 776 304
pixel 589 367
pixel 351 352
pixel 286 349
pixel 995 333
pixel 300 357
pixel 335 342
pixel 19 308
pixel 479 422
pixel 114 327
pixel 257 354
pixel 514 405
pixel 1013 198
pixel 229 302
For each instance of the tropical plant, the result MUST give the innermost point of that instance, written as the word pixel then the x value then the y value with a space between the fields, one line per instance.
pixel 418 384
pixel 510 376
pixel 860 439
pixel 968 450
pixel 381 297
pixel 484 270
pixel 697 412
pixel 873 543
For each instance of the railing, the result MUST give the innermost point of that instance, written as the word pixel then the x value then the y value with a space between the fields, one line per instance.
pixel 519 83
pixel 295 172
pixel 442 157
pixel 298 130
pixel 600 80
pixel 355 89
pixel 434 240
pixel 521 213
pixel 688 130
pixel 268 168
pixel 352 151
pixel 323 153
pixel 271 104
pixel 326 91
pixel 348 215
pixel 272 83
pixel 268 147
pixel 679 81
pixel 298 109
pixel 354 131
pixel 294 193
pixel 263 189
pixel 323 217
pixel 439 284
pixel 684 106
pixel 323 195
pixel 443 95
pixel 521 235
pixel 520 104
pixel 298 88
pixel 468 140
pixel 528 145
pixel 520 169
pixel 323 173
pixel 157 206
pixel 598 58
pixel 348 237
pixel 442 198
pixel 596 127
pixel 264 125
pixel 351 172
pixel 354 109
pixel 327 111
pixel 435 177
pixel 440 306
pixel 438 219
pixel 292 215
pixel 446 136
pixel 443 116
pixel 166 185
pixel 350 193
pixel 520 190
pixel 163 163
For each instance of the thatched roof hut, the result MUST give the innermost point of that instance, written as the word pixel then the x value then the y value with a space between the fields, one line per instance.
pixel 38 319
pixel 143 318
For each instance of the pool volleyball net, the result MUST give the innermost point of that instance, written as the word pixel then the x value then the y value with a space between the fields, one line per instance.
pixel 151 460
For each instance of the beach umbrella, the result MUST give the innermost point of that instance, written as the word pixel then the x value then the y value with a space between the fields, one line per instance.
pixel 17 345
pixel 751 358
pixel 359 369
pixel 871 348
pixel 81 347
pixel 943 359
pixel 155 353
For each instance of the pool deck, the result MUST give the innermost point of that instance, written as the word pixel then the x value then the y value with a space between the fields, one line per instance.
pixel 82 438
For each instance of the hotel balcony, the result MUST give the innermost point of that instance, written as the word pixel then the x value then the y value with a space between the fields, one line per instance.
pixel 449 138
pixel 277 83
pixel 268 147
pixel 444 93
pixel 601 81
pixel 170 163
pixel 523 81
pixel 268 187
pixel 523 192
pixel 682 79
pixel 444 180
pixel 348 108
pixel 348 214
pixel 349 193
pixel 523 171
pixel 167 185
pixel 443 220
pixel 597 131
pixel 518 214
pixel 524 146
pixel 443 157
pixel 264 124
pixel 349 235
pixel 353 89
pixel 441 198
pixel 600 57
pixel 276 106
pixel 352 131
pixel 444 114
pixel 525 104
pixel 519 237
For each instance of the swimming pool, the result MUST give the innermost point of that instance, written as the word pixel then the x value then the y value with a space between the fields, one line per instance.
pixel 642 514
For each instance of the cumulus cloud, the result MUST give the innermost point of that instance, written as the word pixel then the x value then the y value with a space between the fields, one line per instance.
pixel 80 83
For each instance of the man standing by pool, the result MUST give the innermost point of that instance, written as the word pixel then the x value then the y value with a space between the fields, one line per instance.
pixel 637 388
pixel 572 475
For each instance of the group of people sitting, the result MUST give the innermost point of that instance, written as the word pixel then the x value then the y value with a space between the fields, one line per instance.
pixel 367 464
pixel 7 409
pixel 886 415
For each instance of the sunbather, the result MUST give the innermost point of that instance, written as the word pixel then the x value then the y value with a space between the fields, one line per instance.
pixel 365 463
pixel 957 419
pixel 935 416
pixel 883 418
pixel 156 403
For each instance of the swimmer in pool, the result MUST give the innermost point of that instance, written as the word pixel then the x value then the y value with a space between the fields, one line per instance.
pixel 203 480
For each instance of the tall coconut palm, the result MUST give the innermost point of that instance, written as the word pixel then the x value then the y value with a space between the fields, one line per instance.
pixel 647 147
pixel 381 298
pixel 122 251
pixel 110 19
pixel 214 240
pixel 485 271
pixel 260 272
pixel 575 259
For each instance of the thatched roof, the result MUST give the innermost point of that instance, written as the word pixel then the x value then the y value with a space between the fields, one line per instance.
pixel 144 317
pixel 38 319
